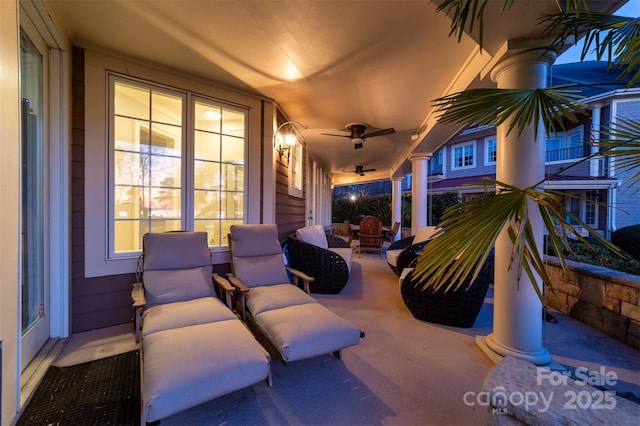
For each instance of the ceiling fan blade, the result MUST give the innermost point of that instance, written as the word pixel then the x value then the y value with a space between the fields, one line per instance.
pixel 332 134
pixel 379 132
pixel 369 170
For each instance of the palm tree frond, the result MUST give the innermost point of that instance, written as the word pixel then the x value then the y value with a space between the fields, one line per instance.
pixel 469 231
pixel 518 107
pixel 604 34
pixel 623 145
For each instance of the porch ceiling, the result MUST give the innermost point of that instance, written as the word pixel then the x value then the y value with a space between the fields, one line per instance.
pixel 326 63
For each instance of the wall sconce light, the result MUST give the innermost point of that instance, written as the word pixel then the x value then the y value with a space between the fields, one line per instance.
pixel 289 138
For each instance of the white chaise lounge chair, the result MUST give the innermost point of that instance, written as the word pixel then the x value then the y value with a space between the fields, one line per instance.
pixel 193 347
pixel 291 322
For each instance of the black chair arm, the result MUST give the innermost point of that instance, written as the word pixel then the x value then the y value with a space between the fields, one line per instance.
pixel 409 254
pixel 401 244
pixel 336 242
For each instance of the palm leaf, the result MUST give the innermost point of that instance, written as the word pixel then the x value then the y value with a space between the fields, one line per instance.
pixel 469 231
pixel 517 107
pixel 624 146
pixel 604 34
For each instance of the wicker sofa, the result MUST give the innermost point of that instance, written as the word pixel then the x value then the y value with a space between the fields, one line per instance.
pixel 325 257
pixel 401 253
pixel 458 308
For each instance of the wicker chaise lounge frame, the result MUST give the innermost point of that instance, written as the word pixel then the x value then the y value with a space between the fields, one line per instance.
pixel 409 252
pixel 458 308
pixel 329 269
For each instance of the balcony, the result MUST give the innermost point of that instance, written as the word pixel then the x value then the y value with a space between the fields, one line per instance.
pixel 568 153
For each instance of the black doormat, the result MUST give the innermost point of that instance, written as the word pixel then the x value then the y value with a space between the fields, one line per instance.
pixel 102 392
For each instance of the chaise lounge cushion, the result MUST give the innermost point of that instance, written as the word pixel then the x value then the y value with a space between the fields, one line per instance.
pixel 184 314
pixel 168 286
pixel 303 331
pixel 251 263
pixel 192 365
pixel 267 298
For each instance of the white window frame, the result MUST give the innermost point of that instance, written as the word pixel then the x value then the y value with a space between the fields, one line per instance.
pixel 96 207
pixel 295 171
pixel 487 141
pixel 187 184
pixel 462 146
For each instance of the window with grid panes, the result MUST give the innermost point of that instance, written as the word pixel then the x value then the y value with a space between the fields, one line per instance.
pixel 463 156
pixel 177 163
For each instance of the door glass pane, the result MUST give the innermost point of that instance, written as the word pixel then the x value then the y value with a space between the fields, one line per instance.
pixel 33 303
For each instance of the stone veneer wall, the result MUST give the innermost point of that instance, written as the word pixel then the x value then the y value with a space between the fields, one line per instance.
pixel 604 299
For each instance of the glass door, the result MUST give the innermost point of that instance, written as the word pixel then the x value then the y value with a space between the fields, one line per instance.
pixel 35 294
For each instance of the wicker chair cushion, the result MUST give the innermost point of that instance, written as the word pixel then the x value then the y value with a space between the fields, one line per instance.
pixel 424 233
pixel 392 256
pixel 313 235
pixel 184 314
pixel 345 253
pixel 261 299
pixel 303 331
pixel 177 285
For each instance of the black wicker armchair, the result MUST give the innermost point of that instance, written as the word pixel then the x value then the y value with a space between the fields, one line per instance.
pixel 329 269
pixel 408 253
pixel 458 308
pixel 402 252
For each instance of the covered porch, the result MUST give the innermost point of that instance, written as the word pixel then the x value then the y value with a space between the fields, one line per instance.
pixel 404 372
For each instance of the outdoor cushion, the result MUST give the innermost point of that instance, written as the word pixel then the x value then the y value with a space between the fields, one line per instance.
pixel 424 233
pixel 255 240
pixel 303 331
pixel 184 314
pixel 167 286
pixel 265 298
pixel 187 366
pixel 260 270
pixel 175 250
pixel 392 256
pixel 313 235
pixel 345 253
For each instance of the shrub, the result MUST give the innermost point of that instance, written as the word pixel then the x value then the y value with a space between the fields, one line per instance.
pixel 627 239
pixel 376 205
pixel 597 254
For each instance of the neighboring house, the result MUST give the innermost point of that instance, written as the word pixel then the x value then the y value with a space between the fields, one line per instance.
pixel 596 191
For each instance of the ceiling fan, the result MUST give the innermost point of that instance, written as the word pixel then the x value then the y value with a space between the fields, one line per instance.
pixel 358 134
pixel 360 170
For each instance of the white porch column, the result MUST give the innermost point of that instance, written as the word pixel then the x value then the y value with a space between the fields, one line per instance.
pixel 517 317
pixel 419 172
pixel 396 205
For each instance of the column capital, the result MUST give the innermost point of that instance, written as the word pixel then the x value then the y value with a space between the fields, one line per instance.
pixel 420 156
pixel 397 178
pixel 523 57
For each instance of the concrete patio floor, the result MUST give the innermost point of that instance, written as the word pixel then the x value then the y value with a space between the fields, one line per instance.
pixel 404 372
